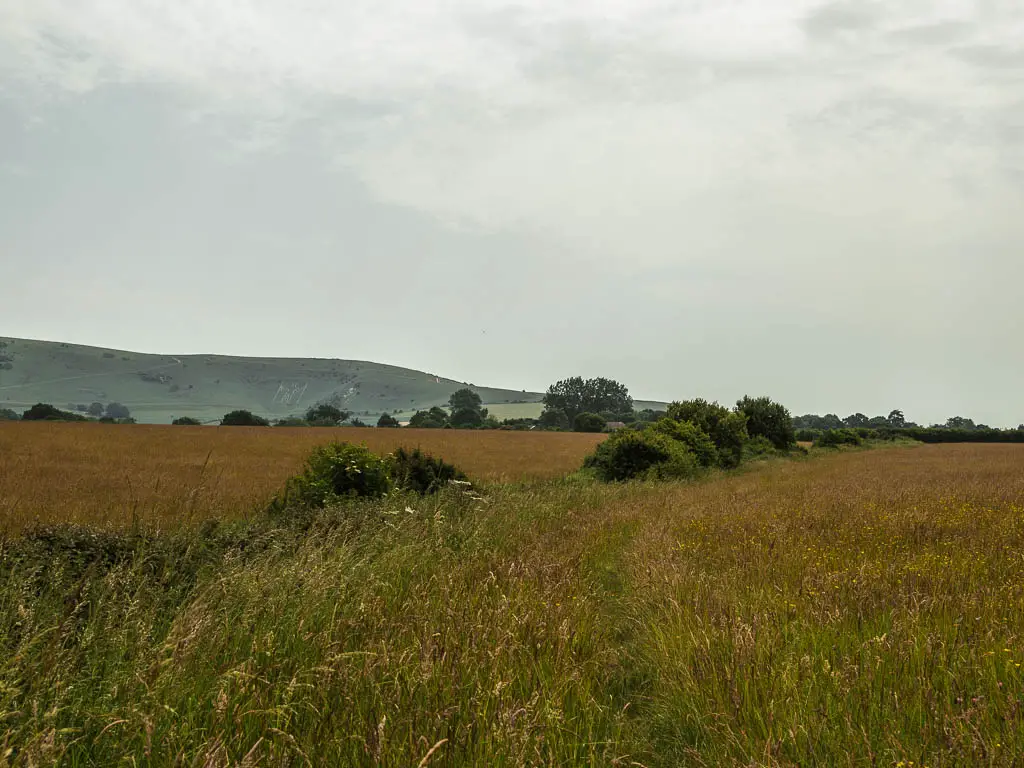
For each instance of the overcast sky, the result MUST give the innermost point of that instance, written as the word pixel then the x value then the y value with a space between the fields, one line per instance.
pixel 823 202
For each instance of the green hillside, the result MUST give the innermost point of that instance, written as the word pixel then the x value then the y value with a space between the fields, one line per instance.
pixel 158 388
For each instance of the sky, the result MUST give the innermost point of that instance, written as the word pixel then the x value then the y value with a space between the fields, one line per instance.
pixel 818 201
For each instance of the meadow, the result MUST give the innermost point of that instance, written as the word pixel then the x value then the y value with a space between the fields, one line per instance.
pixel 857 608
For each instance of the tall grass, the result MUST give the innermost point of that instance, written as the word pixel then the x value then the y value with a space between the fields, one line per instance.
pixel 861 609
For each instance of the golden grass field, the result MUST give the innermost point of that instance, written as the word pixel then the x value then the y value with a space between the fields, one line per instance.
pixel 102 474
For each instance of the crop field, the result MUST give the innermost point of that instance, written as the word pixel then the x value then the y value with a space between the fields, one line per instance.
pixel 102 474
pixel 847 609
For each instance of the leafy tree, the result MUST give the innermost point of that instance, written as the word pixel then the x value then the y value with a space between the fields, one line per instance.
pixel 435 418
pixel 466 418
pixel 768 419
pixel 856 420
pixel 117 411
pixel 388 421
pixel 186 421
pixel 357 423
pixel 575 396
pixel 693 437
pixel 588 422
pixel 553 418
pixel 465 398
pixel 728 429
pixel 47 412
pixel 959 422
pixel 291 421
pixel 95 409
pixel 243 418
pixel 896 419
pixel 6 414
pixel 325 415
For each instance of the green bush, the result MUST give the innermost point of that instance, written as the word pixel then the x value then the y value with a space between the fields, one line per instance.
pixel 834 438
pixel 588 422
pixel 768 419
pixel 466 418
pixel 6 414
pixel 243 418
pixel 186 421
pixel 628 455
pixel 808 435
pixel 337 471
pixel 420 472
pixel 47 412
pixel 693 437
pixel 757 447
pixel 387 421
pixel 728 429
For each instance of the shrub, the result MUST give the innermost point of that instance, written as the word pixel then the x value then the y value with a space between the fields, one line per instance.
pixel 387 421
pixel 337 471
pixel 553 418
pixel 435 418
pixel 186 421
pixel 768 419
pixel 757 447
pixel 808 435
pixel 326 415
pixel 588 422
pixel 291 421
pixel 834 438
pixel 242 418
pixel 649 454
pixel 466 418
pixel 728 429
pixel 47 412
pixel 693 437
pixel 420 472
pixel 6 414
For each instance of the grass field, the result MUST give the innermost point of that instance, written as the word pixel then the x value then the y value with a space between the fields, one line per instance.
pixel 102 474
pixel 857 609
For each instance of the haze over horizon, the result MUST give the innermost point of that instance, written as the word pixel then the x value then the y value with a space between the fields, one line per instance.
pixel 819 201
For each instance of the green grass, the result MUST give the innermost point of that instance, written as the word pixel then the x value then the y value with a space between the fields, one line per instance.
pixel 863 608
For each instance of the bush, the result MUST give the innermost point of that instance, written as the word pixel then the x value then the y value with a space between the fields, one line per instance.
pixel 435 418
pixel 693 437
pixel 291 421
pixel 553 418
pixel 627 455
pixel 6 414
pixel 728 429
pixel 808 435
pixel 186 421
pixel 768 419
pixel 387 421
pixel 47 412
pixel 834 438
pixel 243 418
pixel 588 422
pixel 757 447
pixel 420 472
pixel 337 471
pixel 326 415
pixel 466 418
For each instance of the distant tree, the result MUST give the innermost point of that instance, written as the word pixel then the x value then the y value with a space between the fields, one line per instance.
pixel 356 423
pixel 243 418
pixel 326 415
pixel 896 419
pixel 575 395
pixel 465 398
pixel 291 421
pixel 959 422
pixel 6 414
pixel 466 418
pixel 435 418
pixel 95 409
pixel 387 421
pixel 589 422
pixel 648 415
pixel 856 420
pixel 186 421
pixel 768 419
pixel 117 411
pixel 47 412
pixel 553 418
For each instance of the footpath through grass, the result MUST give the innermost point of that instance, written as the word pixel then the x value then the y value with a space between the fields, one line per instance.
pixel 861 609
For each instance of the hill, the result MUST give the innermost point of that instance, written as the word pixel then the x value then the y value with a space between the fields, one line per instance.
pixel 159 388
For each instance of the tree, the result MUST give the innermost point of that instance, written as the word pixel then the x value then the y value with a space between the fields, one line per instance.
pixel 959 422
pixel 117 411
pixel 387 421
pixel 435 418
pixel 768 419
pixel 466 418
pixel 575 395
pixel 186 421
pixel 856 420
pixel 243 418
pixel 553 418
pixel 589 422
pixel 326 415
pixel 6 414
pixel 47 412
pixel 96 409
pixel 728 429
pixel 896 419
pixel 465 398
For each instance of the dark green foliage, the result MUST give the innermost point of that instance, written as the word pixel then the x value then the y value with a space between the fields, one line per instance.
pixel 628 455
pixel 47 412
pixel 768 419
pixel 465 398
pixel 186 421
pixel 337 471
pixel 357 423
pixel 466 418
pixel 759 446
pixel 808 435
pixel 693 437
pixel 518 424
pixel 588 422
pixel 576 395
pixel 728 429
pixel 387 421
pixel 813 421
pixel 855 420
pixel 116 411
pixel 553 418
pixel 325 415
pixel 6 414
pixel 243 418
pixel 291 421
pixel 834 438
pixel 435 418
pixel 420 472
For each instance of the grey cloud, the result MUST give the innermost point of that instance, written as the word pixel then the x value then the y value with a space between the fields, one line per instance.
pixel 940 33
pixel 837 18
pixel 993 56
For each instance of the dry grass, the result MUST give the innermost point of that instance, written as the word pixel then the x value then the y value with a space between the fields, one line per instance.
pixel 103 474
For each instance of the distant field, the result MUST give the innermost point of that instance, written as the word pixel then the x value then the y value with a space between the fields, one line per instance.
pixel 102 473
